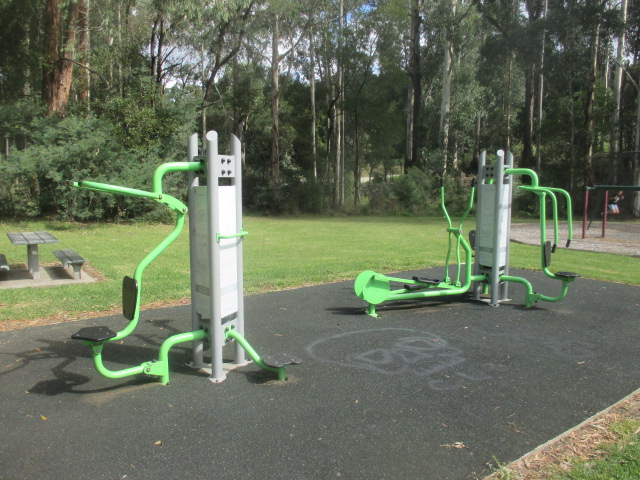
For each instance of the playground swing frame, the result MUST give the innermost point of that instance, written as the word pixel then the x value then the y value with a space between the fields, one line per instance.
pixel 586 223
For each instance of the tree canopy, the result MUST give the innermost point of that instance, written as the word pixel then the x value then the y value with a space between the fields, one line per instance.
pixel 363 106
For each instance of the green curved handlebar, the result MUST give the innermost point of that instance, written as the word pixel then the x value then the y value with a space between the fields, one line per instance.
pixel 165 168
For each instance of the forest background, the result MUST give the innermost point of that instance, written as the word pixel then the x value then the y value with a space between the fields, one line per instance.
pixel 341 105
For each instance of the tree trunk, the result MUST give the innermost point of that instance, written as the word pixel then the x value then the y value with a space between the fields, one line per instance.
pixel 340 111
pixel 408 161
pixel 617 88
pixel 507 140
pixel 636 156
pixel 275 101
pixel 312 88
pixel 589 119
pixel 415 91
pixel 84 79
pixel 527 126
pixel 476 139
pixel 50 71
pixel 356 163
pixel 445 103
pixel 67 62
pixel 59 56
pixel 203 112
pixel 541 95
pixel 160 60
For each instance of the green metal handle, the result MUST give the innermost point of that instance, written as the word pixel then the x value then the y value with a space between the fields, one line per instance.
pixel 524 171
pixel 542 192
pixel 236 235
pixel 569 212
pixel 168 200
pixel 173 167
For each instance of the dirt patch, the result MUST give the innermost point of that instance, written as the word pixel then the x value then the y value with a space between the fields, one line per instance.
pixel 9 325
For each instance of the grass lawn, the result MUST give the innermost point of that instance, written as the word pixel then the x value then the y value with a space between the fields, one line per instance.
pixel 279 253
pixel 619 460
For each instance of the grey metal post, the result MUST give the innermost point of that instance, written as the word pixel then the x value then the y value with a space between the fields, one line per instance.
pixel 482 160
pixel 504 287
pixel 194 181
pixel 217 333
pixel 495 262
pixel 236 151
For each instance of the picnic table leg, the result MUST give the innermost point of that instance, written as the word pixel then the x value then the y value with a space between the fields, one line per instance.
pixel 33 262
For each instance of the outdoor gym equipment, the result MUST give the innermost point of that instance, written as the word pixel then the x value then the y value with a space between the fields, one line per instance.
pixel 216 239
pixel 490 240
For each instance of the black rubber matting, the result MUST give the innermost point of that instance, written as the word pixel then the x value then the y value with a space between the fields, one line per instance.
pixel 435 389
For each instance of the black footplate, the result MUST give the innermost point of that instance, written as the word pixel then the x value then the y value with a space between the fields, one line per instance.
pixel 280 360
pixel 568 275
pixel 429 281
pixel 413 288
pixel 94 334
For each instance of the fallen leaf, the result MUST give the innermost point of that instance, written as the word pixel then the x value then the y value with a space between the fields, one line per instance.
pixel 159 443
pixel 512 426
pixel 43 417
pixel 458 445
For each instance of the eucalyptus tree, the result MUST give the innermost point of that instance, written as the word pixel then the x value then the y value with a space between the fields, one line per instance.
pixel 60 32
pixel 401 26
pixel 456 36
pixel 225 26
pixel 288 23
pixel 358 59
pixel 617 87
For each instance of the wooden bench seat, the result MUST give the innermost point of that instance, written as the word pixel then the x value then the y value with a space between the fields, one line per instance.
pixel 70 257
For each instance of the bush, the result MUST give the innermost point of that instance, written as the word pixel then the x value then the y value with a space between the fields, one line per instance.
pixel 417 192
pixel 121 148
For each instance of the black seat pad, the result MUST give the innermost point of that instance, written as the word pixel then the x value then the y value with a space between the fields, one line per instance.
pixel 94 334
pixel 568 274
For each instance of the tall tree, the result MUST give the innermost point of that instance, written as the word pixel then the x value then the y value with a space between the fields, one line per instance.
pixel 61 28
pixel 283 14
pixel 617 90
pixel 414 94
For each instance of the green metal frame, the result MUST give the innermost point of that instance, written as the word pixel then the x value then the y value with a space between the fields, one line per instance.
pixel 160 366
pixel 230 333
pixel 532 297
pixel 375 288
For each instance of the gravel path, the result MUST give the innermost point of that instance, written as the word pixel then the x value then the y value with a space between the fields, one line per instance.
pixel 621 238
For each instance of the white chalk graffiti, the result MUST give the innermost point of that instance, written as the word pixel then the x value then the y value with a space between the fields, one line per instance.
pixel 402 351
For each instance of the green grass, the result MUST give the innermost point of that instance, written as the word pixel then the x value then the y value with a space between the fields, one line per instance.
pixel 620 459
pixel 279 253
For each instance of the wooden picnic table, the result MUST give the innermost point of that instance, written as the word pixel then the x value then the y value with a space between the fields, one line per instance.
pixel 32 240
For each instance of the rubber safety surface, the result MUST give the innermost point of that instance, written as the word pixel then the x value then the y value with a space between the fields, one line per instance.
pixel 430 390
